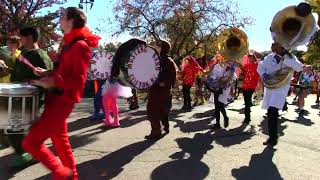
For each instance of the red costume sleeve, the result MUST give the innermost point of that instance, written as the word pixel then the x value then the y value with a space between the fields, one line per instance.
pixel 77 65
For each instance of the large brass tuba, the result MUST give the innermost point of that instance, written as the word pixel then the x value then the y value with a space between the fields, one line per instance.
pixel 290 29
pixel 232 44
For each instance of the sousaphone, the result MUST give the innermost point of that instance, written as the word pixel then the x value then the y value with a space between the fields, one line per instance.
pixel 232 44
pixel 291 27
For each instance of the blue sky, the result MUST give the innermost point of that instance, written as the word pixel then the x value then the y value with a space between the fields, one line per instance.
pixel 262 11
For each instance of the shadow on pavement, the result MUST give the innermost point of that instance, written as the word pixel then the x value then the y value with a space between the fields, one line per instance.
pixel 302 120
pixel 192 126
pixel 260 167
pixel 240 111
pixel 81 124
pixel 187 163
pixel 234 136
pixel 5 171
pixel 111 165
pixel 264 125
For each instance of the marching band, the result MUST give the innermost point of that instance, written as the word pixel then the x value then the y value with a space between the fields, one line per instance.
pixel 139 66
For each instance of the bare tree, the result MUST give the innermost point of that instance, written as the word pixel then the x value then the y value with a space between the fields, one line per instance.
pixel 188 24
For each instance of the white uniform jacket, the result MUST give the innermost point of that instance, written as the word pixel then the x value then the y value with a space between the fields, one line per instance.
pixel 276 97
pixel 219 72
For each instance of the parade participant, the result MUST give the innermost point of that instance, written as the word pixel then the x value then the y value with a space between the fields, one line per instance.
pixel 159 95
pixel 274 99
pixel 250 83
pixel 223 73
pixel 199 98
pixel 13 44
pixel 110 92
pixel 305 82
pixel 188 73
pixel 19 73
pixel 97 102
pixel 65 85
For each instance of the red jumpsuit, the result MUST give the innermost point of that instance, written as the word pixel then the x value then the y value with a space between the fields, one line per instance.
pixel 70 77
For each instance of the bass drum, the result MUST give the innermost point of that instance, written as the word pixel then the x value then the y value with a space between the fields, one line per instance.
pixel 100 65
pixel 137 64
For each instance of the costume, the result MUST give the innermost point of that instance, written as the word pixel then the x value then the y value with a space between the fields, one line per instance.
pixel 274 99
pixel 70 76
pixel 221 93
pixel 160 97
pixel 249 85
pixel 110 92
pixel 199 98
pixel 97 102
pixel 190 68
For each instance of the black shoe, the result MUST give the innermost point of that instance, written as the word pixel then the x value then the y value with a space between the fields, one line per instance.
pixel 153 137
pixel 270 142
pixel 216 126
pixel 226 122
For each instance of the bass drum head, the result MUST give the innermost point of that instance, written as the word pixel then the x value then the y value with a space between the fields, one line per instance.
pixel 100 65
pixel 137 64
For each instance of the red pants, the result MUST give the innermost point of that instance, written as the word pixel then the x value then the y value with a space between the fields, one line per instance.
pixel 52 124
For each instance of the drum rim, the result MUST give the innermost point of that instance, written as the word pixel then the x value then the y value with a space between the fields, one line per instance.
pixel 7 92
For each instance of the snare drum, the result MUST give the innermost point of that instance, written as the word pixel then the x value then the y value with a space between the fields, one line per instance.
pixel 19 107
pixel 139 64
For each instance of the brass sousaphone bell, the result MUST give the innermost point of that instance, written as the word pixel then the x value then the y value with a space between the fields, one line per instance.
pixel 291 27
pixel 232 44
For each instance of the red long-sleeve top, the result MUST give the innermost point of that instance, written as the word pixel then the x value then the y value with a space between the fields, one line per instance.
pixel 250 76
pixel 71 74
pixel 189 71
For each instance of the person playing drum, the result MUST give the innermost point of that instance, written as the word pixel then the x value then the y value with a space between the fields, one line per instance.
pixel 159 95
pixel 20 73
pixel 67 83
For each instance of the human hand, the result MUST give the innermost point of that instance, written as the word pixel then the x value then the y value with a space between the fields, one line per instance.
pixel 40 72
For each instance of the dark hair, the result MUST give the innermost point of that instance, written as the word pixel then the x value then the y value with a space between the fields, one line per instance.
pixel 303 9
pixel 30 31
pixel 14 40
pixel 78 16
pixel 165 46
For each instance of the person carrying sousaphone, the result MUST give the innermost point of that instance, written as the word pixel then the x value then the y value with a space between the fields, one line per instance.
pixel 276 70
pixel 219 84
pixel 274 98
